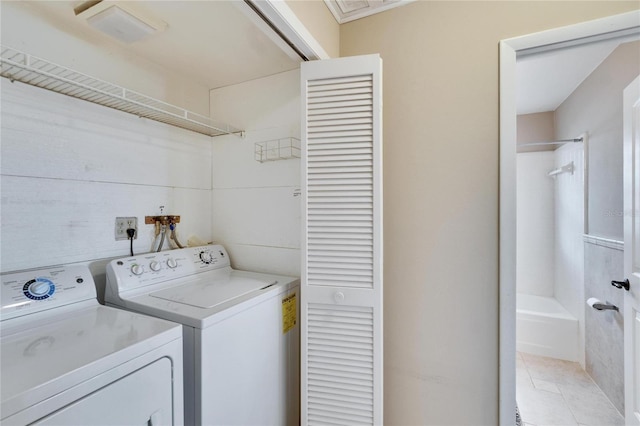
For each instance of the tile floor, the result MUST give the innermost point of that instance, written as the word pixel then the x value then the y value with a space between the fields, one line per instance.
pixel 553 392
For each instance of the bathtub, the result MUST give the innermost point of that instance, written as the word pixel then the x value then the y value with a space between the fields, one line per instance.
pixel 544 327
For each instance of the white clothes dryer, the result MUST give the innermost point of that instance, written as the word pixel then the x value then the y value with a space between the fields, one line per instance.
pixel 67 360
pixel 241 332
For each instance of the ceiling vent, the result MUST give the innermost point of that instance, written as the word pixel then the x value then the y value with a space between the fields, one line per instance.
pixel 119 21
pixel 350 10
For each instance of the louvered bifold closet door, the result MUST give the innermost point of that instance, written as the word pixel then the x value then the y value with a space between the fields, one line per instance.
pixel 341 295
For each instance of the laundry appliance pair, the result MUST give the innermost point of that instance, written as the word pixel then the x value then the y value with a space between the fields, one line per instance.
pixel 184 338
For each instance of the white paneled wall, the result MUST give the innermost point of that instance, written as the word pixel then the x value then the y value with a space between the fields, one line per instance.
pixel 70 167
pixel 535 265
pixel 569 232
pixel 256 206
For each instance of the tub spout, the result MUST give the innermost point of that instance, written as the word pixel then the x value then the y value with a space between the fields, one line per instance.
pixel 605 307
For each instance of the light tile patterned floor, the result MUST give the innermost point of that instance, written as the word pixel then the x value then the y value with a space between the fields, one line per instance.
pixel 553 392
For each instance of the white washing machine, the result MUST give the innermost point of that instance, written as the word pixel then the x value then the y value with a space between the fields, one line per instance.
pixel 67 360
pixel 241 333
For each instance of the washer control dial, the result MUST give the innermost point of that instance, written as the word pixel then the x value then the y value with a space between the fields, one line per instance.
pixel 137 269
pixel 171 263
pixel 155 266
pixel 206 257
pixel 39 288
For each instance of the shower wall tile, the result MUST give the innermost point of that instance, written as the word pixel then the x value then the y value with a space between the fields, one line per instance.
pixel 604 343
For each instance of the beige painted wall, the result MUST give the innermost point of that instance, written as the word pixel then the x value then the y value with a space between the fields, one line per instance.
pixel 320 22
pixel 441 195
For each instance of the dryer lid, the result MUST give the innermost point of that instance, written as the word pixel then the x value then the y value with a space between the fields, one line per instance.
pixel 207 294
pixel 51 353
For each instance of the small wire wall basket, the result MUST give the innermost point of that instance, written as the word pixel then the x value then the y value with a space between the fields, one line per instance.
pixel 277 149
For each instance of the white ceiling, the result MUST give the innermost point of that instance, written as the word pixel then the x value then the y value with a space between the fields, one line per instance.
pixel 218 43
pixel 545 80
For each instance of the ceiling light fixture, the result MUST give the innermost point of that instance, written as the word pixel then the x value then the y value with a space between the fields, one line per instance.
pixel 120 25
pixel 119 20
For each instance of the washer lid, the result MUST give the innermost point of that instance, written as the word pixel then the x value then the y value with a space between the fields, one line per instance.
pixel 210 293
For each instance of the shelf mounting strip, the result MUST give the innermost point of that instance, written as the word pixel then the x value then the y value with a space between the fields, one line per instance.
pixel 19 66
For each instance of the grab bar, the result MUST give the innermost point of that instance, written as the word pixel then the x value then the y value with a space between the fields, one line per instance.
pixel 599 305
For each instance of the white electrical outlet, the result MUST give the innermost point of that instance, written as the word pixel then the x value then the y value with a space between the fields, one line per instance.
pixel 124 223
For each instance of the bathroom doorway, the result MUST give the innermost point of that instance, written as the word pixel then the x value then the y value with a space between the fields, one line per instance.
pixel 572 281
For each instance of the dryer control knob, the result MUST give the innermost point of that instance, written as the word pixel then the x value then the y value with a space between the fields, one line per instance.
pixel 39 288
pixel 338 297
pixel 155 266
pixel 171 263
pixel 137 269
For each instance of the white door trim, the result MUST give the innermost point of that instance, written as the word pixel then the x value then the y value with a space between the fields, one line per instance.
pixel 287 23
pixel 631 101
pixel 509 49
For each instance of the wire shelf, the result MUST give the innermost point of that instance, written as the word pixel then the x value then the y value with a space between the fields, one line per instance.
pixel 278 149
pixel 19 66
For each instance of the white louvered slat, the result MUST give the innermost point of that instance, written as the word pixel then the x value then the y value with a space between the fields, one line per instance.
pixel 320 224
pixel 364 91
pixel 333 126
pixel 323 113
pixel 343 139
pixel 326 197
pixel 363 113
pixel 326 107
pixel 346 255
pixel 363 80
pixel 331 179
pixel 346 219
pixel 341 282
pixel 350 260
pixel 328 85
pixel 326 248
pixel 341 364
pixel 340 79
pixel 347 153
pixel 363 163
pixel 335 208
pixel 338 192
pixel 341 266
pixel 340 146
pixel 323 88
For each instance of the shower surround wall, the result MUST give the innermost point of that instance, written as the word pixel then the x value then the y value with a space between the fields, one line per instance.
pixel 568 234
pixel 535 272
pixel 535 262
pixel 596 106
pixel 549 242
pixel 549 236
